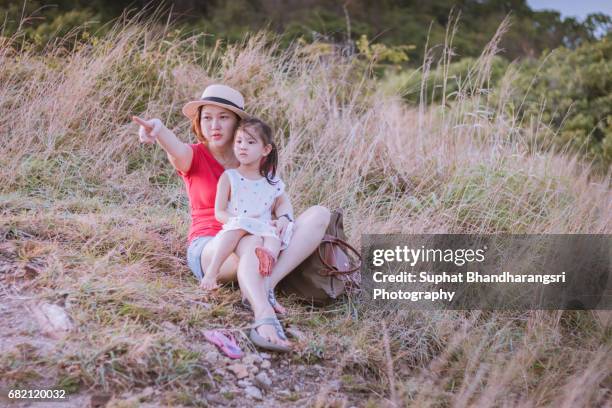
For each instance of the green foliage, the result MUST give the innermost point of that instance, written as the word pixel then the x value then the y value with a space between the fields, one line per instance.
pixel 572 91
pixel 72 22
pixel 391 23
pixel 569 91
pixel 313 353
pixel 458 78
pixel 383 53
pixel 42 24
pixel 69 383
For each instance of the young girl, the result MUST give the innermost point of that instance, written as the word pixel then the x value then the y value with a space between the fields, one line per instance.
pixel 246 197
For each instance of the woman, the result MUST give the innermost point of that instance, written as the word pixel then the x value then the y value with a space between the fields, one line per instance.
pixel 215 118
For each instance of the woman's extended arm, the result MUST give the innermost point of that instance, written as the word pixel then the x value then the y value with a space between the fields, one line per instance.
pixel 222 198
pixel 179 153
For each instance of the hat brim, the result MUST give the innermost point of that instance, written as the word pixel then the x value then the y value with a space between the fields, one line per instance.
pixel 191 109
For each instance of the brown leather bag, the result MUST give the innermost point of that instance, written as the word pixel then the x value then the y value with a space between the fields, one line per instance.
pixel 330 271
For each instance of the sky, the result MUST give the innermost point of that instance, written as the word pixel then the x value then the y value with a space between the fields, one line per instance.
pixel 572 8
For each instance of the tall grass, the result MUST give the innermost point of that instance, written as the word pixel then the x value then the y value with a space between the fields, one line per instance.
pixel 109 217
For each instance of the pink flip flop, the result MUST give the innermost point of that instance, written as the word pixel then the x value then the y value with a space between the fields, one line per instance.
pixel 225 342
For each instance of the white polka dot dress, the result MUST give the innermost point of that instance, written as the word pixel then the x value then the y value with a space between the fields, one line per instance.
pixel 251 203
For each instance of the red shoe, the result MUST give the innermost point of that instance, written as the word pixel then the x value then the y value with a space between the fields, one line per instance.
pixel 266 261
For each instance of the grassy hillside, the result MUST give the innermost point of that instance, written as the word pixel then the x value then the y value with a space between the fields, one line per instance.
pixel 569 92
pixel 96 223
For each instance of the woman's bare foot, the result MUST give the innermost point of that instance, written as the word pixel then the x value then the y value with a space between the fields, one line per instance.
pixel 278 308
pixel 269 331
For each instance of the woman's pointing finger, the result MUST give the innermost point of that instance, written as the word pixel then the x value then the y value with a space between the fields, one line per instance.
pixel 142 123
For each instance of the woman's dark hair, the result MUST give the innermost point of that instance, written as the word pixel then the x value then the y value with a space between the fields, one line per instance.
pixel 196 128
pixel 260 130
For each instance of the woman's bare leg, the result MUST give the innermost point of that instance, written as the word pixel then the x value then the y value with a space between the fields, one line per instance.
pixel 308 231
pixel 253 287
pixel 273 246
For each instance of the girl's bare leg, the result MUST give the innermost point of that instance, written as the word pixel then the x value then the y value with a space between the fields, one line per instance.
pixel 308 231
pixel 228 269
pixel 253 287
pixel 225 245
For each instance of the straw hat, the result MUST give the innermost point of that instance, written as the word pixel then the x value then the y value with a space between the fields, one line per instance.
pixel 218 95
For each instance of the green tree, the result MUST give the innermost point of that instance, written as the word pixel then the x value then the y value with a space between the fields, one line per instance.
pixel 574 88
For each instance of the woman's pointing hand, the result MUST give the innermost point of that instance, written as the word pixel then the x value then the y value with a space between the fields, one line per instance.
pixel 149 129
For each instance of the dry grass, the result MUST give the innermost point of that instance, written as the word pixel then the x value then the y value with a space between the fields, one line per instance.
pixel 108 218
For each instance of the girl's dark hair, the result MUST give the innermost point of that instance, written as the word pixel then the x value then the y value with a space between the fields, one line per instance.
pixel 260 130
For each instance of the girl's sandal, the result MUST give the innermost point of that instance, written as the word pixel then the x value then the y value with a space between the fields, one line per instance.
pixel 263 342
pixel 266 261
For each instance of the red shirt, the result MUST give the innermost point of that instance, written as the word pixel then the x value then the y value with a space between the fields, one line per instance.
pixel 201 181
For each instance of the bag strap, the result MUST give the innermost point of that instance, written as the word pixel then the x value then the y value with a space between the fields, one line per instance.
pixel 337 241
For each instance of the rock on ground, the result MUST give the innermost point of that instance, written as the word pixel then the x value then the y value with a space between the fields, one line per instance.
pixel 52 319
pixel 253 392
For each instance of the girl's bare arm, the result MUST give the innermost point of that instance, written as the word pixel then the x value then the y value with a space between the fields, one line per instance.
pixel 222 199
pixel 283 206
